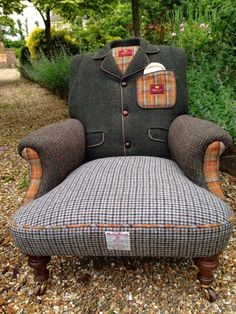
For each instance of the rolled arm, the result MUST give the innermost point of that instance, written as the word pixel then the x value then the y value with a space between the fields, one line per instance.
pixel 52 152
pixel 196 146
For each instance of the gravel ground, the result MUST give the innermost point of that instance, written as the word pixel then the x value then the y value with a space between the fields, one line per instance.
pixel 84 285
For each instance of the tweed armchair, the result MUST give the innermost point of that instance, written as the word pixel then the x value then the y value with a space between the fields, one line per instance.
pixel 130 173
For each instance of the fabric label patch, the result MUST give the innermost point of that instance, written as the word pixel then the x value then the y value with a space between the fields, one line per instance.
pixel 118 240
pixel 157 89
pixel 125 52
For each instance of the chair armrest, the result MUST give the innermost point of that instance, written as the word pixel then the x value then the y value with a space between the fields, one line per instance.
pixel 196 146
pixel 52 152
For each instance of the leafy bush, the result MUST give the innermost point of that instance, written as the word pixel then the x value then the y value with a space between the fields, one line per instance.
pixel 8 43
pixel 195 38
pixel 210 97
pixel 202 29
pixel 24 56
pixel 61 41
pixel 93 37
pixel 92 34
pixel 53 74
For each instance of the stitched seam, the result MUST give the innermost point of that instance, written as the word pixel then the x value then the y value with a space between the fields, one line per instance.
pixel 231 219
pixel 122 118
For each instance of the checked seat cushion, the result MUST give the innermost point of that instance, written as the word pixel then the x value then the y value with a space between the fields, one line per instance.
pixel 164 212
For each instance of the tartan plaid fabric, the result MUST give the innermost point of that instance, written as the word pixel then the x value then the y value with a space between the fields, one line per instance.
pixel 123 56
pixel 150 197
pixel 32 157
pixel 156 90
pixel 211 167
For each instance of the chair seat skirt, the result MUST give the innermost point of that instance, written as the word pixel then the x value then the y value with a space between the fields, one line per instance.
pixel 146 203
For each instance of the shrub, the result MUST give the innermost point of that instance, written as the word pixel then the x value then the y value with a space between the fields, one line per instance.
pixel 195 38
pixel 210 97
pixel 61 41
pixel 24 55
pixel 8 43
pixel 204 29
pixel 53 74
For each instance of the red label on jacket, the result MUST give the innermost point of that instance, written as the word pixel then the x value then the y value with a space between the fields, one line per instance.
pixel 157 89
pixel 125 52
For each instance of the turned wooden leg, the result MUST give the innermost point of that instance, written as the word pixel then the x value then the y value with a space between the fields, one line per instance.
pixel 206 266
pixel 39 265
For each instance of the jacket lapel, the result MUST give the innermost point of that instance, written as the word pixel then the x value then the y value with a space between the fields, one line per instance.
pixel 109 66
pixel 139 62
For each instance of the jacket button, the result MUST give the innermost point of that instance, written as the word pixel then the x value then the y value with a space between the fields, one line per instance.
pixel 127 144
pixel 123 84
pixel 125 113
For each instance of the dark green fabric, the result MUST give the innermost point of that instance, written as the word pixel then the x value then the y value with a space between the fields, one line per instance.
pixel 97 99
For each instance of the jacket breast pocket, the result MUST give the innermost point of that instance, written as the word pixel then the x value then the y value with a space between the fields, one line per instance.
pixel 156 90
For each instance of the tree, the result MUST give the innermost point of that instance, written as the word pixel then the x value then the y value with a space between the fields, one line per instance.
pixel 8 7
pixel 68 9
pixel 26 27
pixel 20 29
pixel 7 27
pixel 61 7
pixel 135 17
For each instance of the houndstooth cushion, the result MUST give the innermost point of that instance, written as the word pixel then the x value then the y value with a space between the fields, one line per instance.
pixel 164 212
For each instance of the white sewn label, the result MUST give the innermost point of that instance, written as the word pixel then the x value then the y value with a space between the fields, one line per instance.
pixel 118 240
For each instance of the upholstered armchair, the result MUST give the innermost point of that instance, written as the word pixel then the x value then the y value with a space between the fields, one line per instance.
pixel 130 173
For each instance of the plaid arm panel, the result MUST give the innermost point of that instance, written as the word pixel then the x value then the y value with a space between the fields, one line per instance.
pixel 32 157
pixel 211 167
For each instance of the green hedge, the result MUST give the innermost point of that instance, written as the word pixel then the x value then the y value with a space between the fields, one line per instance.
pixel 53 74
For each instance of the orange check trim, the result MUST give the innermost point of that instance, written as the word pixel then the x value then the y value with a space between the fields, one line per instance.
pixel 124 60
pixel 230 220
pixel 165 82
pixel 211 167
pixel 32 157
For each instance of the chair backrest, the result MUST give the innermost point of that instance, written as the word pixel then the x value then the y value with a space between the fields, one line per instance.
pixel 125 108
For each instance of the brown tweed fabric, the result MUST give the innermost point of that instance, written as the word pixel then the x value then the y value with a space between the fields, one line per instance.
pixel 60 147
pixel 188 141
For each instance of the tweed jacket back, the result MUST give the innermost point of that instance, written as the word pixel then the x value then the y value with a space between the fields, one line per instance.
pixel 124 111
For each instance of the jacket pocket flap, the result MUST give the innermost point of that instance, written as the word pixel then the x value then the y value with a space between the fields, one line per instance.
pixel 94 139
pixel 158 134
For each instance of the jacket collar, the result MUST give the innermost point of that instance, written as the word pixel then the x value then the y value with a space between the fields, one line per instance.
pixel 139 62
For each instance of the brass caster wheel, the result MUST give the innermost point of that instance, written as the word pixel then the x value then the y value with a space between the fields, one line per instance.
pixel 40 289
pixel 211 294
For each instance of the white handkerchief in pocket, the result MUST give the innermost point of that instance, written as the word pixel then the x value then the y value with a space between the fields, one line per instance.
pixel 153 67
